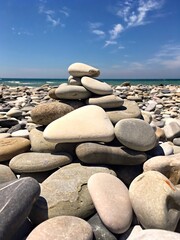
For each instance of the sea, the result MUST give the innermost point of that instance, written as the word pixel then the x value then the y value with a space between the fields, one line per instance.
pixel 36 82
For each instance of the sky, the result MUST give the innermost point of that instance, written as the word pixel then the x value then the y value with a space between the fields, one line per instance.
pixel 123 38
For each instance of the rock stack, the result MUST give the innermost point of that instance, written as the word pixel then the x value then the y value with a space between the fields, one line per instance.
pixel 98 152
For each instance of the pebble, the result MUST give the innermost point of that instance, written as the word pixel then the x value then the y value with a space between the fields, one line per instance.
pixel 176 141
pixel 81 69
pixel 10 147
pixel 62 228
pixel 38 162
pixel 80 126
pixel 135 134
pixel 21 133
pixel 116 210
pixel 6 174
pixel 172 130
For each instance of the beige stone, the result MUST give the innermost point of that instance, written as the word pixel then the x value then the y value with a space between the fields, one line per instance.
pixel 82 69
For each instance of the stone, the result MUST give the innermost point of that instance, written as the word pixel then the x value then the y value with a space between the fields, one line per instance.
pixel 61 228
pixel 172 130
pixel 155 201
pixel 81 69
pixel 14 128
pixel 16 200
pixel 10 147
pixel 176 141
pixel 99 230
pixel 14 112
pixel 147 117
pixel 135 98
pixel 135 134
pixel 8 122
pixel 95 153
pixel 38 162
pixel 65 193
pixel 6 174
pixel 109 101
pixel 167 165
pixel 72 92
pixel 88 123
pixel 5 135
pixel 129 109
pixel 96 86
pixel 151 106
pixel 156 234
pixel 46 113
pixel 74 81
pixel 167 148
pixel 24 230
pixel 116 210
pixel 21 133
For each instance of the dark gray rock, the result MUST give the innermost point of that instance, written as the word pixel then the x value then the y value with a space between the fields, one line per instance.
pixel 8 122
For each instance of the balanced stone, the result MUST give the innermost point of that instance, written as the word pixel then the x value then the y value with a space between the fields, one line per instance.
pixel 10 147
pixel 109 101
pixel 155 201
pixel 95 153
pixel 6 174
pixel 135 134
pixel 62 228
pixel 16 200
pixel 96 86
pixel 74 81
pixel 88 123
pixel 65 193
pixel 46 113
pixel 38 162
pixel 72 92
pixel 111 200
pixel 81 69
pixel 129 109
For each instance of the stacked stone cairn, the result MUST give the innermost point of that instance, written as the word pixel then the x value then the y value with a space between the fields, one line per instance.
pixel 89 161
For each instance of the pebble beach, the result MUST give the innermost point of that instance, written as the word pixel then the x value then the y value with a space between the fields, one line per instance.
pixel 87 160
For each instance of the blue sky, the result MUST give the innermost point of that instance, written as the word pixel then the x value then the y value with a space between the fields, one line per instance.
pixel 123 38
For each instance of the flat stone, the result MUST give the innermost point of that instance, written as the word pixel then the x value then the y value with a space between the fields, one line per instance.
pixel 21 133
pixel 129 109
pixel 65 193
pixel 38 162
pixel 63 227
pixel 95 153
pixel 10 147
pixel 111 199
pixel 8 122
pixel 96 86
pixel 149 234
pixel 172 130
pixel 5 135
pixel 16 200
pixel 135 134
pixel 81 69
pixel 109 101
pixel 167 165
pixel 14 112
pixel 151 106
pixel 99 229
pixel 155 201
pixel 14 128
pixel 135 98
pixel 88 123
pixel 46 113
pixel 6 174
pixel 72 92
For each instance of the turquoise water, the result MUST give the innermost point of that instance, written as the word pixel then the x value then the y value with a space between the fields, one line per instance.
pixel 35 82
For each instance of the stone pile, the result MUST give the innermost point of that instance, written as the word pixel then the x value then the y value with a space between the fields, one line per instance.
pixel 97 152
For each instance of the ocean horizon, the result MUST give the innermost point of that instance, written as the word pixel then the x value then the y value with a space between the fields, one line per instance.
pixel 36 82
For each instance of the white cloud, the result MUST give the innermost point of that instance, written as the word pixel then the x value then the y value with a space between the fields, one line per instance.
pixel 54 22
pixel 98 32
pixel 114 33
pixel 95 25
pixel 65 11
pixel 109 42
pixel 21 32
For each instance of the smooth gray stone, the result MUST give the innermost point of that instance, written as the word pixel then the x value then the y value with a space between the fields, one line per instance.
pixel 38 162
pixel 8 122
pixel 135 134
pixel 65 193
pixel 16 200
pixel 6 174
pixel 129 109
pixel 176 141
pixel 172 130
pixel 99 230
pixel 95 153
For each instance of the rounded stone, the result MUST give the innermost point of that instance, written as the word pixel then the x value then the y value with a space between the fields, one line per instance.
pixel 61 228
pixel 109 101
pixel 176 141
pixel 72 92
pixel 14 112
pixel 111 199
pixel 65 193
pixel 95 153
pixel 96 86
pixel 155 201
pixel 21 133
pixel 10 147
pixel 74 81
pixel 129 109
pixel 135 134
pixel 46 113
pixel 5 135
pixel 88 123
pixel 38 162
pixel 6 174
pixel 81 69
